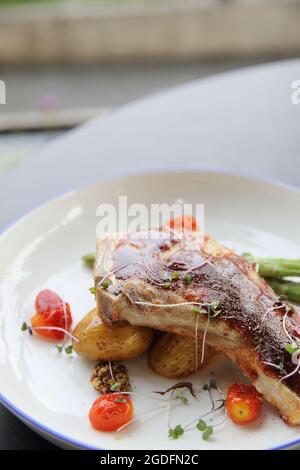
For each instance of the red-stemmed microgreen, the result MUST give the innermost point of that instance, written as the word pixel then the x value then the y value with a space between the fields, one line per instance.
pixel 216 405
pixel 178 386
pixel 211 309
pixel 285 328
pixel 199 266
pixel 60 348
pixel 293 372
pixel 30 329
pixel 111 371
pixel 102 282
pixel 274 308
pixel 279 366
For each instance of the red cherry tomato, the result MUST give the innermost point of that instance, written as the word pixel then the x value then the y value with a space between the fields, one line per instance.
pixel 47 299
pixel 243 403
pixel 110 412
pixel 52 312
pixel 184 223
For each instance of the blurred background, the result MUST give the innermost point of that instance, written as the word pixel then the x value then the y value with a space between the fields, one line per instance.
pixel 65 61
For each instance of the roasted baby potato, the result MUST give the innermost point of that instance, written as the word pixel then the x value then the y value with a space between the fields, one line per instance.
pixel 99 342
pixel 174 356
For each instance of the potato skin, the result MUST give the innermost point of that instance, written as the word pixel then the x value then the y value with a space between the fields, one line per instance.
pixel 173 356
pixel 99 342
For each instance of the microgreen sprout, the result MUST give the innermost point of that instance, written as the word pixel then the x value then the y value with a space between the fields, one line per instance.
pixel 291 348
pixel 278 305
pixel 177 386
pixel 285 327
pixel 89 259
pixel 26 327
pixel 175 433
pixel 217 405
pixel 115 387
pixel 201 425
pixel 181 396
pixel 282 298
pixel 291 373
pixel 207 433
pixel 197 309
pixel 69 349
pixel 187 279
pixel 166 285
pixel 279 366
pixel 105 284
pixel 212 311
pixel 175 275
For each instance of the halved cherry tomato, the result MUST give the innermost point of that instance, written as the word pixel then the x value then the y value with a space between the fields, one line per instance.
pixel 47 299
pixel 110 412
pixel 243 403
pixel 51 311
pixel 186 222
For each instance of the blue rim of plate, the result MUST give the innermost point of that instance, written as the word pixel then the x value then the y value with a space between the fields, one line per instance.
pixel 45 429
pixel 73 442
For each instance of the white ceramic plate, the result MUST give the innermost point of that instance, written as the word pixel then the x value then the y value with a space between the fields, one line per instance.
pixel 51 392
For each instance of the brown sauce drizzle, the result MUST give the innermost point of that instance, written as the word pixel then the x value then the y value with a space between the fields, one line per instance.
pixel 243 302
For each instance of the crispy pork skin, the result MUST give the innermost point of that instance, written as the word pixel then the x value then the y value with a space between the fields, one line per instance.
pixel 158 280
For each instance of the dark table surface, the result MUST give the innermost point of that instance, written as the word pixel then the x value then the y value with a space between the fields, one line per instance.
pixel 16 436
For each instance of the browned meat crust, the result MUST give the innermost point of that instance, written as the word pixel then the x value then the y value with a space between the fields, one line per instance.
pixel 253 327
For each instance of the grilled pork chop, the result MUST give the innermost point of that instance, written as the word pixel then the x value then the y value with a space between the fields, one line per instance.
pixel 192 286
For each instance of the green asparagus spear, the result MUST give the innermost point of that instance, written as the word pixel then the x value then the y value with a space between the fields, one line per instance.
pixel 287 288
pixel 89 260
pixel 276 268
